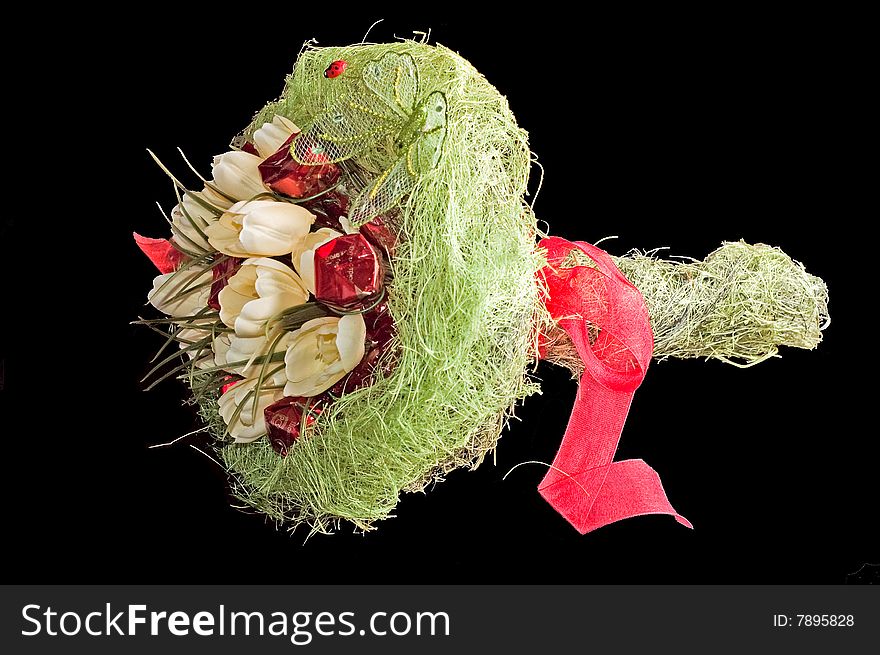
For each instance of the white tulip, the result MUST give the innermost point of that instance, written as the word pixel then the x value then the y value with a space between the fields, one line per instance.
pixel 185 233
pixel 220 347
pixel 195 203
pixel 303 256
pixel 193 335
pixel 260 228
pixel 242 353
pixel 322 352
pixel 259 290
pixel 193 210
pixel 236 175
pixel 271 136
pixel 249 424
pixel 194 283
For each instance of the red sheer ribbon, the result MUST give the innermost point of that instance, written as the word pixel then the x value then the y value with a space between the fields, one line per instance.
pixel 584 484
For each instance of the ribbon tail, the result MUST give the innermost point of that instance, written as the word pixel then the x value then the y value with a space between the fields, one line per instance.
pixel 607 320
pixel 584 485
pixel 632 488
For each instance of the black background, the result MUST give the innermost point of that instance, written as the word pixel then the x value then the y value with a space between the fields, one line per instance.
pixel 665 130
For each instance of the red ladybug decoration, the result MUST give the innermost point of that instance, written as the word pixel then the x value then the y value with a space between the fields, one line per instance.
pixel 336 69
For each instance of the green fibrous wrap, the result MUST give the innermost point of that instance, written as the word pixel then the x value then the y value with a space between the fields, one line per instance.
pixel 468 310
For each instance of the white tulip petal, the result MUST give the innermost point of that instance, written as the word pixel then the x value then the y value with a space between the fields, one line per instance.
pixel 236 294
pixel 187 234
pixel 238 209
pixel 204 356
pixel 223 235
pixel 213 198
pixel 195 214
pixel 248 425
pixel 311 241
pixel 260 228
pixel 347 226
pixel 322 352
pixel 318 323
pixel 192 334
pixel 168 285
pixel 302 358
pixel 278 378
pixel 243 351
pixel 269 263
pixel 220 346
pixel 194 205
pixel 268 285
pixel 301 362
pixel 311 387
pixel 236 175
pixel 304 257
pixel 251 322
pixel 273 277
pixel 350 340
pixel 271 136
pixel 272 283
pixel 249 329
pixel 307 269
pixel 250 433
pixel 262 240
pixel 314 385
pixel 258 241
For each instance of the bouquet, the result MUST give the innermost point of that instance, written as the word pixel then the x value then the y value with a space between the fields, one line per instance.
pixel 357 294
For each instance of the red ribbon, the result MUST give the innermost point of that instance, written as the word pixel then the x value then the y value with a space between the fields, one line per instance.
pixel 584 484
